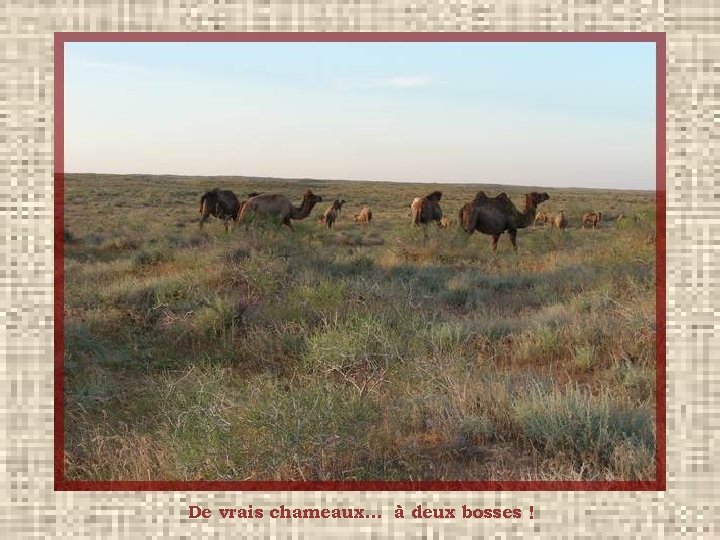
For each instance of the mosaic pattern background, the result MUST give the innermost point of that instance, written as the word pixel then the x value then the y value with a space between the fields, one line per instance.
pixel 28 504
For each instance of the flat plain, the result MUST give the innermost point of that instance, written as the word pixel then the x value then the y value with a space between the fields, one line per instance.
pixel 379 352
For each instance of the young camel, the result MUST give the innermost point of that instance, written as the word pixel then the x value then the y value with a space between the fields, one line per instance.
pixel 592 219
pixel 328 218
pixel 544 218
pixel 364 217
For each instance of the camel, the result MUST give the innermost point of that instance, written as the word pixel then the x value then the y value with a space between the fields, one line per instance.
pixel 426 209
pixel 330 215
pixel 463 214
pixel 279 207
pixel 444 222
pixel 560 221
pixel 416 200
pixel 495 215
pixel 242 203
pixel 364 217
pixel 544 218
pixel 592 218
pixel 220 203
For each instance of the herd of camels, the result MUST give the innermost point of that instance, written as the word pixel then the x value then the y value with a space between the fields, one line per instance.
pixel 489 215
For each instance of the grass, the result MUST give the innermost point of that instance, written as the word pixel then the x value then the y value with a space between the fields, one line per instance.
pixel 379 352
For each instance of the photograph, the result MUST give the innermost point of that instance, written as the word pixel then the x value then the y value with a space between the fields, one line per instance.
pixel 333 263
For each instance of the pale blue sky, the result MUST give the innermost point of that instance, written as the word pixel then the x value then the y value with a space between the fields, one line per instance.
pixel 547 114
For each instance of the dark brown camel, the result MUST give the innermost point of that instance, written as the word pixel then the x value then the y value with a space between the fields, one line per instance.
pixel 426 209
pixel 279 207
pixel 220 203
pixel 495 215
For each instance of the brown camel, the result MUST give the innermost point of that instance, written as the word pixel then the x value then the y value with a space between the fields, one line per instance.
pixel 242 203
pixel 330 215
pixel 560 221
pixel 426 209
pixel 365 216
pixel 592 219
pixel 416 200
pixel 279 207
pixel 495 215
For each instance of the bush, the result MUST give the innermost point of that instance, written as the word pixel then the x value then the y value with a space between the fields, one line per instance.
pixel 151 256
pixel 219 317
pixel 588 428
pixel 362 341
pixel 477 430
pixel 317 431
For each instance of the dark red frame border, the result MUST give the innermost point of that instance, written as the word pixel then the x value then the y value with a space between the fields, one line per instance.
pixel 659 484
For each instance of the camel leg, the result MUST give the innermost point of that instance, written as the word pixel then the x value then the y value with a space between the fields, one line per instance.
pixel 287 222
pixel 513 239
pixel 495 238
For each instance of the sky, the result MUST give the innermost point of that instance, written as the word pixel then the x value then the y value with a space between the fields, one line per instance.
pixel 539 114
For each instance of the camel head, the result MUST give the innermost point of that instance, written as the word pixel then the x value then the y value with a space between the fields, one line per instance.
pixel 310 199
pixel 435 196
pixel 535 198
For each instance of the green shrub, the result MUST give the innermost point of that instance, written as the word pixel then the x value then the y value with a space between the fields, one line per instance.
pixel 588 428
pixel 362 341
pixel 584 357
pixel 151 256
pixel 318 430
pixel 477 430
pixel 219 317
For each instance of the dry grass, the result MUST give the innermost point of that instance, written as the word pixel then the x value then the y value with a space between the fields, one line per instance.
pixel 377 352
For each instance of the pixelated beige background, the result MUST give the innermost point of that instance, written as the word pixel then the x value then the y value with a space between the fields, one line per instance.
pixel 30 507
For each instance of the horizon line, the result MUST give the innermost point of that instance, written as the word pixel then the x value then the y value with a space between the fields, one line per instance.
pixel 309 178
